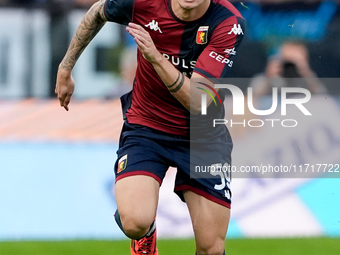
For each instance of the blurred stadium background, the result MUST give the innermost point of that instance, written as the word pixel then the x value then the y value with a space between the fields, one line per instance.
pixel 56 167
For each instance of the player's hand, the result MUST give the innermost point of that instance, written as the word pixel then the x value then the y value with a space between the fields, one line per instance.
pixel 144 42
pixel 64 87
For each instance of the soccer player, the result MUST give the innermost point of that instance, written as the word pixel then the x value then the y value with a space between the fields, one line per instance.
pixel 179 42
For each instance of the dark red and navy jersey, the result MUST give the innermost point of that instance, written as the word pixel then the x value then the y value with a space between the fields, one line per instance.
pixel 206 46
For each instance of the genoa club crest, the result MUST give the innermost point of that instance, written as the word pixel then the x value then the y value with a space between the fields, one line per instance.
pixel 202 35
pixel 122 162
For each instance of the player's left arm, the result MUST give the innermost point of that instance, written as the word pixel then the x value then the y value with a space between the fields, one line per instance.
pixel 176 82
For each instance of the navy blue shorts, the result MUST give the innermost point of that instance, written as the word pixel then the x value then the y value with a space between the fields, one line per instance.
pixel 146 151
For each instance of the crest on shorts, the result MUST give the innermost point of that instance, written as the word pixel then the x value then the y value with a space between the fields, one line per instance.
pixel 202 35
pixel 122 162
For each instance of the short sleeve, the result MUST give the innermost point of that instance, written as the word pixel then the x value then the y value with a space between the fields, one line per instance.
pixel 119 11
pixel 218 57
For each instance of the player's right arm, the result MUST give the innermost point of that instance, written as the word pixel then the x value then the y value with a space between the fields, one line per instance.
pixel 90 25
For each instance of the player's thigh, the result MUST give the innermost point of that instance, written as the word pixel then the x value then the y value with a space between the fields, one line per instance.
pixel 210 222
pixel 139 169
pixel 137 199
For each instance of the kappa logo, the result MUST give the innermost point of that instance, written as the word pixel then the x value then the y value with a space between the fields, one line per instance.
pixel 122 162
pixel 237 30
pixel 230 51
pixel 153 25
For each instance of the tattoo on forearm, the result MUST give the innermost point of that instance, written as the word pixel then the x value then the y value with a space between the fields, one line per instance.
pixel 91 24
pixel 170 86
pixel 179 85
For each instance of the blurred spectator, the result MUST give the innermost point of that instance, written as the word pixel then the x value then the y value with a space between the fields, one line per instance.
pixel 290 68
pixel 127 68
pixel 23 2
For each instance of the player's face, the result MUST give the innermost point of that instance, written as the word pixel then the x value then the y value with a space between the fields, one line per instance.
pixel 191 4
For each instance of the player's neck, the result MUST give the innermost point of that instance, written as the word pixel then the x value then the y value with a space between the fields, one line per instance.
pixel 189 14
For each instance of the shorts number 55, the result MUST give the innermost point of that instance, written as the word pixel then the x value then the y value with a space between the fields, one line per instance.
pixel 225 174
